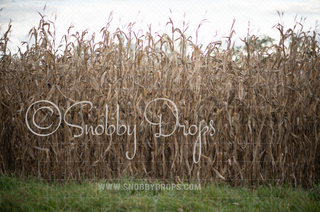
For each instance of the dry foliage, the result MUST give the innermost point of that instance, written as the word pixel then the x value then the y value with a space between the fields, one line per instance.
pixel 264 107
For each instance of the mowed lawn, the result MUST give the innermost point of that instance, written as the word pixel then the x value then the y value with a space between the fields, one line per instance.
pixel 35 195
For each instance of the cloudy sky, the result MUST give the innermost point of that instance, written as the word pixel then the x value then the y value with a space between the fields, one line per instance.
pixel 257 15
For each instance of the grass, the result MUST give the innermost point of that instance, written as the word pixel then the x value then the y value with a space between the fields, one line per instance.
pixel 33 195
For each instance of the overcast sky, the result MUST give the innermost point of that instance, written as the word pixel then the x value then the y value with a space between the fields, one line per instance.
pixel 94 14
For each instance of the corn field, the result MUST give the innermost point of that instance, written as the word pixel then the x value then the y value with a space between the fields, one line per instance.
pixel 264 107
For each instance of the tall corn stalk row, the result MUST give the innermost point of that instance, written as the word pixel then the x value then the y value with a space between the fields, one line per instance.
pixel 264 107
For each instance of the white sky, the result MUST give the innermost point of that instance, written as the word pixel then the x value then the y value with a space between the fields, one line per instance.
pixel 220 14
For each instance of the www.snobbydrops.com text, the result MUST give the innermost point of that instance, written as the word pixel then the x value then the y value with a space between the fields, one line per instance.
pixel 147 187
